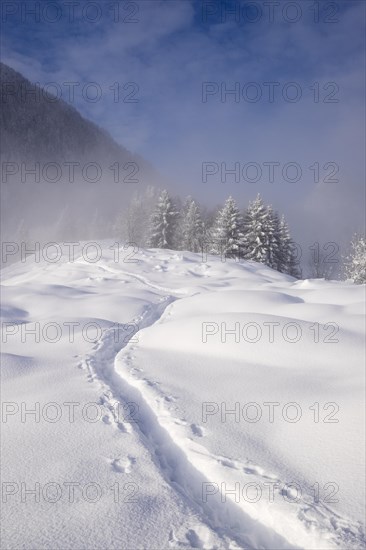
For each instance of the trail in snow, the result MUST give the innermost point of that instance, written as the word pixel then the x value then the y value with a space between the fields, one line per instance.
pixel 186 469
pixel 227 521
pixel 146 282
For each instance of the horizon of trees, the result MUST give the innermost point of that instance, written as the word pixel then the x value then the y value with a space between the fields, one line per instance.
pixel 154 219
pixel 258 233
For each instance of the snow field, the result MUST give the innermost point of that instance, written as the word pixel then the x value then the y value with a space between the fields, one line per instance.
pixel 191 466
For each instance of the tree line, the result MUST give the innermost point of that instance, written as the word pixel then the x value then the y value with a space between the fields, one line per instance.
pixel 259 233
pixel 155 220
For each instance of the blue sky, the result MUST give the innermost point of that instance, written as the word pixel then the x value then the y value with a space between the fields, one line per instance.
pixel 168 49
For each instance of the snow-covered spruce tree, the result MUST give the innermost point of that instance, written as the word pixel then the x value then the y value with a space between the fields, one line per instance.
pixel 208 221
pixel 267 239
pixel 183 210
pixel 228 230
pixel 192 228
pixel 355 264
pixel 287 252
pixel 256 223
pixel 176 240
pixel 272 239
pixel 163 223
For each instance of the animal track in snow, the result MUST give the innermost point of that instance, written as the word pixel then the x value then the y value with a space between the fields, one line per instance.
pixel 123 465
pixel 113 412
pixel 197 430
pixel 107 419
pixel 198 536
pixel 170 398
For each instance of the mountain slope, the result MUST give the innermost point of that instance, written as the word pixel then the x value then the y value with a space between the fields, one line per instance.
pixel 81 172
pixel 38 126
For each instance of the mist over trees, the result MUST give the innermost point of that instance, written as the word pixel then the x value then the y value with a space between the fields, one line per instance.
pixel 192 226
pixel 155 219
pixel 257 232
pixel 66 179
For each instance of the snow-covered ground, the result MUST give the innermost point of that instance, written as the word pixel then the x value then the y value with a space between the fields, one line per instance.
pixel 180 403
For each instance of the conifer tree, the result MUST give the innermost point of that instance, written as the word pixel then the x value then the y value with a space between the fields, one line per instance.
pixel 355 266
pixel 256 223
pixel 191 227
pixel 272 239
pixel 228 230
pixel 163 222
pixel 288 254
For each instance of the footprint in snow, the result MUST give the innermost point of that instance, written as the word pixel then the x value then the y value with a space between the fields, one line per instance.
pixel 193 539
pixel 123 465
pixel 124 427
pixel 200 537
pixel 228 463
pixel 150 383
pixel 180 422
pixel 252 469
pixel 170 398
pixel 197 430
pixel 105 398
pixel 107 419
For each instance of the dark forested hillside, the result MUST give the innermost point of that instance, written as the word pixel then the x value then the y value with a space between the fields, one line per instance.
pixel 60 167
pixel 37 125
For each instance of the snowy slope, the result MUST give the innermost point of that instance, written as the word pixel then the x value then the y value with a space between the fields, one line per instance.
pixel 155 455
